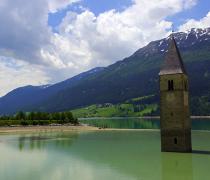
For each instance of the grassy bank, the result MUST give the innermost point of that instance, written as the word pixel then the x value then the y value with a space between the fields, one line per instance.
pixel 32 122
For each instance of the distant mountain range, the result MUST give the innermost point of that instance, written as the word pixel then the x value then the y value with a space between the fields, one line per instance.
pixel 134 76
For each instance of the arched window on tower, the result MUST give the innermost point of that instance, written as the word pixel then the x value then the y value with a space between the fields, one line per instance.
pixel 185 85
pixel 170 85
pixel 175 141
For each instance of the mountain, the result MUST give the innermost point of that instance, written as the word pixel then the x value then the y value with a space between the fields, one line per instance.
pixel 134 76
pixel 28 97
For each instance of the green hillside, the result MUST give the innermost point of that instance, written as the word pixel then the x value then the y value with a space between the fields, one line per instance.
pixel 132 108
pixel 140 106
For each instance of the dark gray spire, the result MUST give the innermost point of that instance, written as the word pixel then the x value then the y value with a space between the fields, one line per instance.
pixel 173 61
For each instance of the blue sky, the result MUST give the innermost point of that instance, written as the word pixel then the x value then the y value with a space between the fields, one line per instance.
pixel 57 39
pixel 197 12
pixel 96 6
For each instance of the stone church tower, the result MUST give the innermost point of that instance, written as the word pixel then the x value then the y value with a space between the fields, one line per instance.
pixel 174 105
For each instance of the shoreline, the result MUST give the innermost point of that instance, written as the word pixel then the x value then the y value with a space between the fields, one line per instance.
pixel 138 117
pixel 28 129
pixel 42 129
pixel 80 128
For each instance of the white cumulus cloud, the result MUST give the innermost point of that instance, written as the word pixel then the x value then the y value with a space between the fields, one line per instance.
pixel 192 23
pixel 86 40
pixel 55 5
pixel 15 74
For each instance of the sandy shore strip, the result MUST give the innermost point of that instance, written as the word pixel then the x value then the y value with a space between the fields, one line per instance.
pixel 82 128
pixel 17 129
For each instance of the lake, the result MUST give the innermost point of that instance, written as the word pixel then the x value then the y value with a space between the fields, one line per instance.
pixel 139 123
pixel 94 155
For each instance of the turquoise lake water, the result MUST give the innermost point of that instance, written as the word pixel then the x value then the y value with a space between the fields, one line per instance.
pixel 101 155
pixel 137 123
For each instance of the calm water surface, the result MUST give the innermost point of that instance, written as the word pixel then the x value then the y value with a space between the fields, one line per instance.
pixel 112 155
pixel 137 123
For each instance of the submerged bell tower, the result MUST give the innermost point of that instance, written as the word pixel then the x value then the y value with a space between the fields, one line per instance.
pixel 174 104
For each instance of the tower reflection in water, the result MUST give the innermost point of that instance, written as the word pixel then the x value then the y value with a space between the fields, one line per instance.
pixel 177 166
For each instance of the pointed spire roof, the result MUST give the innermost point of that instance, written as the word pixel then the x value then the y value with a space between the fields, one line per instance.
pixel 173 61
